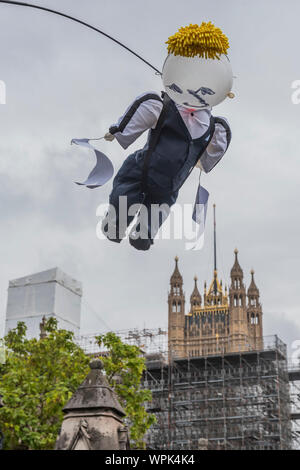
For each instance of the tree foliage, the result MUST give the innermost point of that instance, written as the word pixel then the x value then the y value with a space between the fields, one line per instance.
pixel 38 378
pixel 124 366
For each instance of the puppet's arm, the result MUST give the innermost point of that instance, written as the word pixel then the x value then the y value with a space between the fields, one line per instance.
pixel 140 116
pixel 217 147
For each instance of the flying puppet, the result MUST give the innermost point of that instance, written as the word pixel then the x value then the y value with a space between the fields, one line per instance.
pixel 182 134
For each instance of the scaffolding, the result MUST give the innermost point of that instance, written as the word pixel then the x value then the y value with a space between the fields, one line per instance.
pixel 150 341
pixel 236 401
pixel 294 378
pixel 243 400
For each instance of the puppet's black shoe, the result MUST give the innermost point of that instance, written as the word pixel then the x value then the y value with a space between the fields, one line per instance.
pixel 140 243
pixel 139 237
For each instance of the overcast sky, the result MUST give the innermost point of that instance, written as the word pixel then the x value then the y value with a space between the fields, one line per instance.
pixel 65 81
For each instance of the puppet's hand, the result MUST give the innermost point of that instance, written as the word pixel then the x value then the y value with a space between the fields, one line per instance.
pixel 198 165
pixel 109 137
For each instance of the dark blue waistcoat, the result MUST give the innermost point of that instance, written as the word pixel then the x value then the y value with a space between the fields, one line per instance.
pixel 170 153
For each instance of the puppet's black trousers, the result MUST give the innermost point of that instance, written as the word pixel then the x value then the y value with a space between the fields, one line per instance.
pixel 128 200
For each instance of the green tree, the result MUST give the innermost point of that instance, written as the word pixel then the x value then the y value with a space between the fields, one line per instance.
pixel 38 378
pixel 124 367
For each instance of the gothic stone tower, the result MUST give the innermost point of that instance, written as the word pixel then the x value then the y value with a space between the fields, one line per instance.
pixel 254 315
pixel 176 318
pixel 238 324
pixel 218 322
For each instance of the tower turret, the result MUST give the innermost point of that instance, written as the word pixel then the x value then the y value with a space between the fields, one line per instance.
pixel 237 292
pixel 238 325
pixel 253 292
pixel 254 313
pixel 176 280
pixel 195 297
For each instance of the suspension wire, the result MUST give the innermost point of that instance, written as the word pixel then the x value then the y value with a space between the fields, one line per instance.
pixel 83 23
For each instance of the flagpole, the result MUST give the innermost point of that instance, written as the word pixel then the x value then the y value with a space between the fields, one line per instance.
pixel 215 249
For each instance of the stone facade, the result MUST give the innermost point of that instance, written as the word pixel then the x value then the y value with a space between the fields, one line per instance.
pixel 219 322
pixel 93 416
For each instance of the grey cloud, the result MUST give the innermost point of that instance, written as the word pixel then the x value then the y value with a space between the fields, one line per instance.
pixel 64 82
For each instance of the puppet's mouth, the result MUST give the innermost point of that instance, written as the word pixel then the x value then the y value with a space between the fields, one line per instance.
pixel 195 105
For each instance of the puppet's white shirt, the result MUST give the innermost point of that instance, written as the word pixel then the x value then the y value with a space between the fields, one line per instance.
pixel 146 115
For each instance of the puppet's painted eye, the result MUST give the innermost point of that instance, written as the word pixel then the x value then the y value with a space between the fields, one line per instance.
pixel 206 91
pixel 175 87
pixel 195 94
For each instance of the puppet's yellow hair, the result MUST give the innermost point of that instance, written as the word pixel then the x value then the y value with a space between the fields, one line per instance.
pixel 194 40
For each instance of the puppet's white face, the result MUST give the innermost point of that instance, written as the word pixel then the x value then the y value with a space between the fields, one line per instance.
pixel 196 82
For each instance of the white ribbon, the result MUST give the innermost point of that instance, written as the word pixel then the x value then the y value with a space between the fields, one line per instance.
pixel 199 216
pixel 102 172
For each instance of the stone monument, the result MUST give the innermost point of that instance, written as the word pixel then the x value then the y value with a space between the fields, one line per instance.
pixel 93 416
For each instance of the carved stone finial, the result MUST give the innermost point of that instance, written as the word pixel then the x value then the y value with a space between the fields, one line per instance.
pixel 96 364
pixel 43 333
